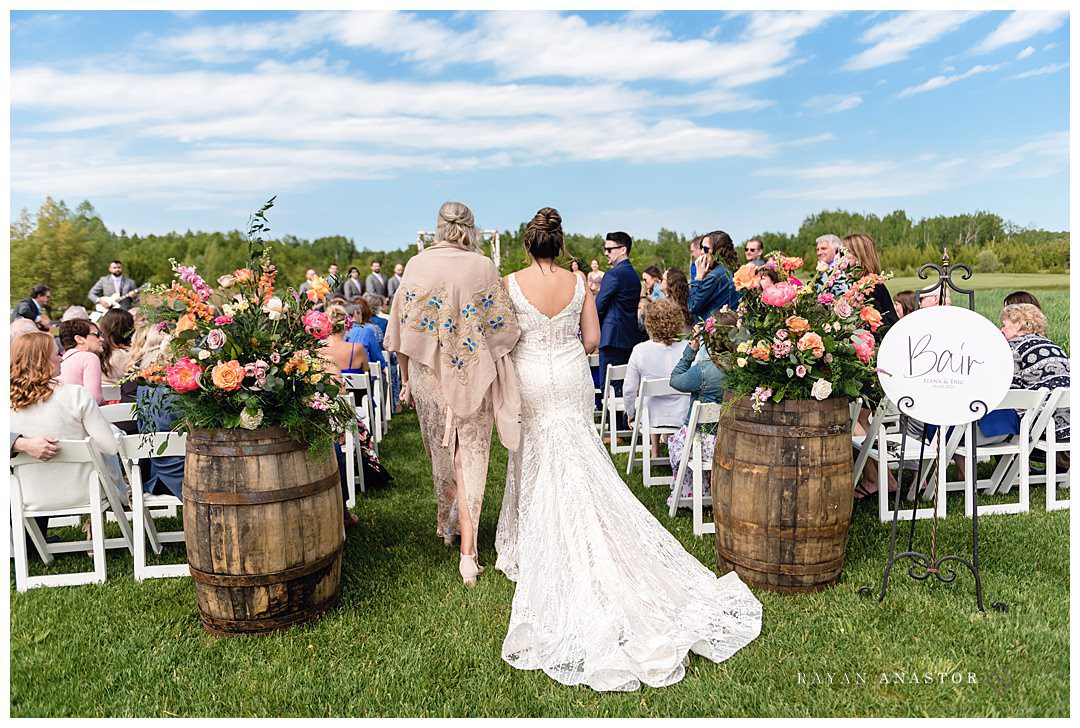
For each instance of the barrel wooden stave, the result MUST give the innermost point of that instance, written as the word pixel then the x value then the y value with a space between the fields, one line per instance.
pixel 782 495
pixel 263 527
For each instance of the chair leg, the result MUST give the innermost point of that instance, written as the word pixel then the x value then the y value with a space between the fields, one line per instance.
pixel 18 537
pixel 97 525
pixel 697 496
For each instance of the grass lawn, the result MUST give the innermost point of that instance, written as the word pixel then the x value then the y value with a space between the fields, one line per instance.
pixel 408 639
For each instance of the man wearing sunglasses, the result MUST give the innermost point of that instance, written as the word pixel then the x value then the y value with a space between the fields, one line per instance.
pixel 616 307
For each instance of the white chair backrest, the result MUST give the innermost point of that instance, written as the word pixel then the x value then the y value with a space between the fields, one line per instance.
pixel 708 412
pixel 156 445
pixel 594 360
pixel 122 412
pixel 71 451
pixel 376 369
pixel 615 373
pixel 1062 398
pixel 1028 400
pixel 356 382
pixel 656 388
pixel 110 392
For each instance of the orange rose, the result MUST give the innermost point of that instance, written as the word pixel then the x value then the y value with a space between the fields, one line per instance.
pixel 227 375
pixel 870 315
pixel 761 351
pixel 244 275
pixel 186 323
pixel 797 324
pixel 747 277
pixel 791 263
pixel 813 342
pixel 319 289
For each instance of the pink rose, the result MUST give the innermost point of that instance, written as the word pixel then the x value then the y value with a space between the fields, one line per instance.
pixel 183 376
pixel 781 348
pixel 275 357
pixel 317 324
pixel 215 339
pixel 223 320
pixel 782 334
pixel 800 371
pixel 826 299
pixel 864 346
pixel 842 309
pixel 780 295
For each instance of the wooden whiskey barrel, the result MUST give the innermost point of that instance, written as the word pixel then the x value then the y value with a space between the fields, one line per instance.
pixel 263 529
pixel 782 492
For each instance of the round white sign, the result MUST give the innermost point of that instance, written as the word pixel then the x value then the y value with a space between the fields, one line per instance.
pixel 945 365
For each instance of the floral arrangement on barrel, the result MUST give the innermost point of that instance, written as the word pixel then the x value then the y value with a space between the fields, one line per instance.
pixel 243 356
pixel 791 341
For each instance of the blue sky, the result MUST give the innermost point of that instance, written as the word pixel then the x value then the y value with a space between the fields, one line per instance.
pixel 363 123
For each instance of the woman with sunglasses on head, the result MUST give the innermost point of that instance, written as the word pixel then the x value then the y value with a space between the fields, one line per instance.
pixel 81 363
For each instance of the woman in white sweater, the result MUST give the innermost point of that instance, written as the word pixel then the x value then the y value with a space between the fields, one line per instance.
pixel 40 405
pixel 654 359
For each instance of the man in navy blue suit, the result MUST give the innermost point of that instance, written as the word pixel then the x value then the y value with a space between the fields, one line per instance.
pixel 616 307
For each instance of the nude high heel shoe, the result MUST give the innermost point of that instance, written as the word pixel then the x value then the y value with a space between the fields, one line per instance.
pixel 469 568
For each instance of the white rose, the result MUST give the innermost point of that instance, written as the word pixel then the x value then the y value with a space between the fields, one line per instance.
pixel 227 310
pixel 251 421
pixel 204 354
pixel 741 361
pixel 274 308
pixel 822 389
pixel 743 347
pixel 822 266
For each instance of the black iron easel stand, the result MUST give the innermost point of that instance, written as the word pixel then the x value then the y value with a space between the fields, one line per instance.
pixel 924 566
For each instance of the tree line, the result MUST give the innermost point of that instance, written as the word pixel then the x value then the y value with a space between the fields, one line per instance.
pixel 69 249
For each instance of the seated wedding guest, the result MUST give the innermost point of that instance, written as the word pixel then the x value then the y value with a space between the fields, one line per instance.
pixel 81 363
pixel 933 298
pixel 40 405
pixel 712 287
pixel 860 250
pixel 22 326
pixel 1037 361
pixel 904 301
pixel 164 475
pixel 654 359
pixel 675 286
pixel 350 357
pixel 697 375
pixel 1022 297
pixel 74 312
pixel 651 278
pixel 365 333
pixel 117 327
pixel 378 321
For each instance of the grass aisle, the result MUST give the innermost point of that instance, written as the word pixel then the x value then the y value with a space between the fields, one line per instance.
pixel 409 640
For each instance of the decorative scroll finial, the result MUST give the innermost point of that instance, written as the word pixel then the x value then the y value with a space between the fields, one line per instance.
pixel 944 257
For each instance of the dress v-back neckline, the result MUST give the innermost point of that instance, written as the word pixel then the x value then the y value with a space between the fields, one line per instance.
pixel 525 299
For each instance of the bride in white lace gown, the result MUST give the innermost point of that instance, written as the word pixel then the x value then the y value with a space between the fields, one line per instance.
pixel 605 596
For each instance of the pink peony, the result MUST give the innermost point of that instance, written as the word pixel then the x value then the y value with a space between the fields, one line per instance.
pixel 864 346
pixel 826 299
pixel 780 295
pixel 781 348
pixel 317 324
pixel 842 309
pixel 183 376
pixel 223 320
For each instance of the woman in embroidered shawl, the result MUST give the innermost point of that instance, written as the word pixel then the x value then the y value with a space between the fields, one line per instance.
pixel 452 326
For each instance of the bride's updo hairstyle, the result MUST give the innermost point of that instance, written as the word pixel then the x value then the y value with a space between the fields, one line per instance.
pixel 544 235
pixel 457 226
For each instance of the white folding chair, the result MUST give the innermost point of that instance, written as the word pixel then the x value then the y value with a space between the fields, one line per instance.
pixel 1017 446
pixel 594 362
pixel 1059 399
pixel 613 404
pixel 360 386
pixel 643 426
pixel 379 406
pixel 134 448
pixel 120 412
pixel 882 443
pixel 354 470
pixel 99 499
pixel 111 392
pixel 700 414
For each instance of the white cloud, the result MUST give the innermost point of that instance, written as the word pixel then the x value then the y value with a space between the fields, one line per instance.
pixel 1025 53
pixel 942 81
pixel 521 45
pixel 1052 68
pixel 1049 46
pixel 1019 26
pixel 895 39
pixel 832 103
pixel 919 175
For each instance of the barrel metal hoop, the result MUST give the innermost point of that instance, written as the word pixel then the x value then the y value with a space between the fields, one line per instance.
pixel 222 627
pixel 234 450
pixel 837 529
pixel 786 569
pixel 217 498
pixel 275 577
pixel 751 428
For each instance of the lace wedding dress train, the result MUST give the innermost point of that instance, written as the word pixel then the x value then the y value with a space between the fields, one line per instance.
pixel 605 596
